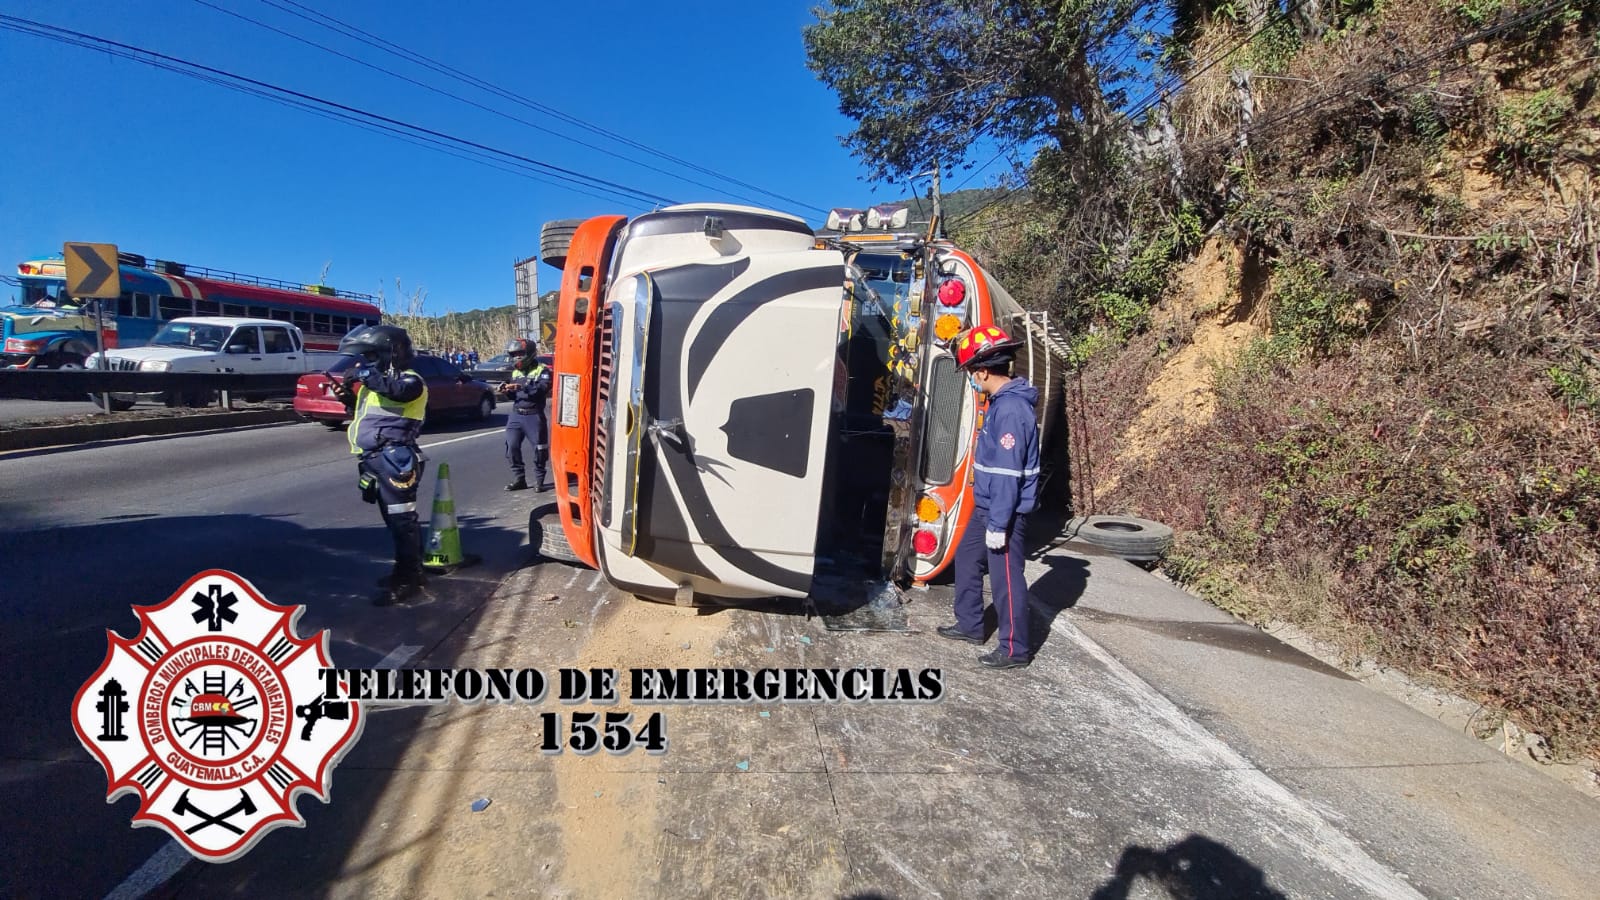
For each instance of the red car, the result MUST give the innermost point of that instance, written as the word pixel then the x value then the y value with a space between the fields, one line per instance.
pixel 450 393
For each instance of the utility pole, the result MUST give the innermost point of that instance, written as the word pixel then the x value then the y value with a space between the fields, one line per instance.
pixel 938 210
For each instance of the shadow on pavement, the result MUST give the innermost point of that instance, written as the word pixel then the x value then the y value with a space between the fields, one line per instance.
pixel 1195 868
pixel 1058 589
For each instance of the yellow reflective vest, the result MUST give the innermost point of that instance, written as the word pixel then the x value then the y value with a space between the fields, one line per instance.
pixel 380 419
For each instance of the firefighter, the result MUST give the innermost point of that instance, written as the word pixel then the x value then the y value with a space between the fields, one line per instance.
pixel 528 388
pixel 1005 489
pixel 389 401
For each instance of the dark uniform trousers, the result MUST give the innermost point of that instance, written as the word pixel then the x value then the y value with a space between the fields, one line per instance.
pixel 532 427
pixel 1006 583
pixel 398 506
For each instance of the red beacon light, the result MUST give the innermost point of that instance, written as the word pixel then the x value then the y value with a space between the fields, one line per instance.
pixel 952 292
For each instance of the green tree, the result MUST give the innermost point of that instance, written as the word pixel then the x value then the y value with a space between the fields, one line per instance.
pixel 925 79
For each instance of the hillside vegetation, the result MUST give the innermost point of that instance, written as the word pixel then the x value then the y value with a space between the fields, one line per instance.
pixel 1333 296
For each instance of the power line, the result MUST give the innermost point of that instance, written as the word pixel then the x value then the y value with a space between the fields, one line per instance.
pixel 235 81
pixel 333 24
pixel 460 99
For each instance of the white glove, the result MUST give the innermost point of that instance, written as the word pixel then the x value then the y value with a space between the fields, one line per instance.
pixel 995 539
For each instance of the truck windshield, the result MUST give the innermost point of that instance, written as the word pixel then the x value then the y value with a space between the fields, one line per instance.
pixel 191 335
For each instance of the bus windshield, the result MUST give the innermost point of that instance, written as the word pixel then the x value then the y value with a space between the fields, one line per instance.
pixel 46 294
pixel 190 334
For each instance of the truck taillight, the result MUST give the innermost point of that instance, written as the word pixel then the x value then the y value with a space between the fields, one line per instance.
pixel 946 327
pixel 952 292
pixel 928 510
pixel 925 542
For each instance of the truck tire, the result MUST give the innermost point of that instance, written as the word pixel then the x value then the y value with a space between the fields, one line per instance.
pixel 548 538
pixel 555 238
pixel 116 405
pixel 1132 538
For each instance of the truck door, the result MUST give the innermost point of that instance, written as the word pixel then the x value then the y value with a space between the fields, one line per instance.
pixel 242 352
pixel 283 353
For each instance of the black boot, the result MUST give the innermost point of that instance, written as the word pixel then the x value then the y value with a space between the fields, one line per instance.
pixel 402 588
pixel 521 484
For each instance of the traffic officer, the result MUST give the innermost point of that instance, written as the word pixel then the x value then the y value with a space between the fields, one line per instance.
pixel 1005 490
pixel 389 402
pixel 528 388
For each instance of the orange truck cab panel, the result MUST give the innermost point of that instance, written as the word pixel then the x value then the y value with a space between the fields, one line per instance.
pixel 572 429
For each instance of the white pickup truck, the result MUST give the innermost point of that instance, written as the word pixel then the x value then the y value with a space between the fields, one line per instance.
pixel 221 344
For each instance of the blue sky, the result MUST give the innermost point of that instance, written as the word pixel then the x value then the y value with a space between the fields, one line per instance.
pixel 106 149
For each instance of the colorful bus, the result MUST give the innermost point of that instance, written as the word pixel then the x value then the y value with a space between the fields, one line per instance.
pixel 46 328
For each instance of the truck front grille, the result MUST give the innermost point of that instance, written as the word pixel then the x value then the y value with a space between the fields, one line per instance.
pixel 941 442
pixel 601 487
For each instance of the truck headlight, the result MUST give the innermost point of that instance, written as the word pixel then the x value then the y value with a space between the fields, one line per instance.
pixel 92 362
pixel 155 365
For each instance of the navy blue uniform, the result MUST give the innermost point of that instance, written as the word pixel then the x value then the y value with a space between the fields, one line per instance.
pixel 1005 490
pixel 527 421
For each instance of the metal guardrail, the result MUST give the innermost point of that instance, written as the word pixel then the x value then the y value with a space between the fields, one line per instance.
pixel 52 384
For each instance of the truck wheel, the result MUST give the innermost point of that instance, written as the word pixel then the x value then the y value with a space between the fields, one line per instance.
pixel 555 238
pixel 116 405
pixel 1132 538
pixel 548 538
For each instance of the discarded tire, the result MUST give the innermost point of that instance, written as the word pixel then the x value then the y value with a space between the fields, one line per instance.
pixel 548 538
pixel 1132 538
pixel 555 238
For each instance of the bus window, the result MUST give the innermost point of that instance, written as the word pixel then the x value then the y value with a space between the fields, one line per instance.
pixel 281 315
pixel 125 305
pixel 174 308
pixel 258 312
pixel 143 308
pixel 302 320
pixel 206 308
pixel 229 309
pixel 321 323
pixel 341 325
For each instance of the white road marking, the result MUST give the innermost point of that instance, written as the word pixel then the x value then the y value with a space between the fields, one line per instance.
pixel 574 579
pixel 1284 815
pixel 156 871
pixel 595 582
pixel 398 657
pixel 166 862
pixel 465 437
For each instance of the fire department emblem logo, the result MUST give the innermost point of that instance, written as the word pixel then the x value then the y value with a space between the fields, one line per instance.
pixel 1008 440
pixel 209 715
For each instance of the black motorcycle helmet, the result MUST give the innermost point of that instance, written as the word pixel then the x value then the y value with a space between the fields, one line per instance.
pixel 524 354
pixel 382 345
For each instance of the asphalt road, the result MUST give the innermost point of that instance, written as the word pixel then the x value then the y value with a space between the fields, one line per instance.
pixel 85 534
pixel 41 410
pixel 1156 748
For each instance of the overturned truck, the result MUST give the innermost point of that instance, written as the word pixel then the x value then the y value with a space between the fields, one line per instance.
pixel 739 400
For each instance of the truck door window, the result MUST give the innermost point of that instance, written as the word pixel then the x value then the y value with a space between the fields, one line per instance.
pixel 278 340
pixel 245 340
